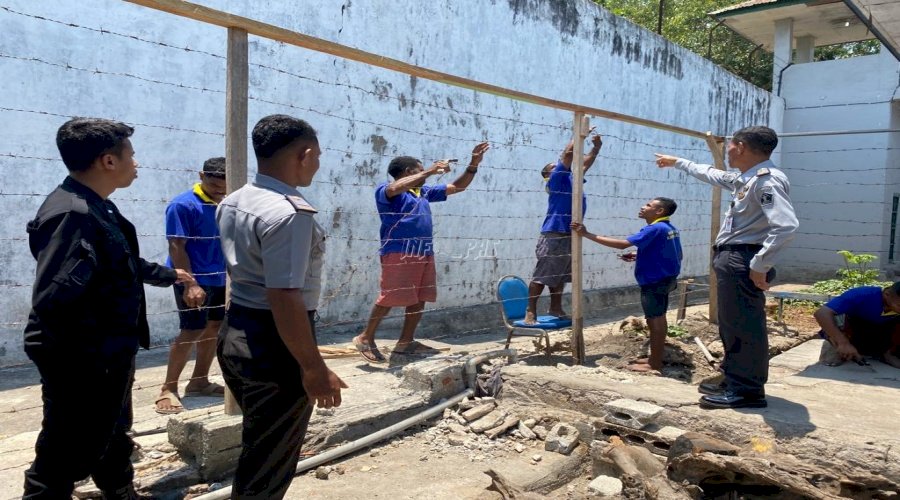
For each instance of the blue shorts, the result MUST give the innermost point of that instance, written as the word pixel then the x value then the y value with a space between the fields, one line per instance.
pixel 195 319
pixel 655 297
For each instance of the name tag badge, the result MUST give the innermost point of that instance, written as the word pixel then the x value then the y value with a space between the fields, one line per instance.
pixel 726 225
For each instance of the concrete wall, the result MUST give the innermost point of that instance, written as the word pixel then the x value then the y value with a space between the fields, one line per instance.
pixel 842 185
pixel 129 63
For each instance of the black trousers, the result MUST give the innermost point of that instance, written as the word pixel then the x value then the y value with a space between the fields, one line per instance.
pixel 742 323
pixel 87 413
pixel 267 383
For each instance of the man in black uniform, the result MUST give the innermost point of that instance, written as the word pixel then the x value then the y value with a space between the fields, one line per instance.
pixel 88 315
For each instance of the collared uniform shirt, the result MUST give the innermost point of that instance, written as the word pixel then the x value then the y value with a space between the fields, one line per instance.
pixel 760 212
pixel 192 216
pixel 559 201
pixel 270 240
pixel 406 225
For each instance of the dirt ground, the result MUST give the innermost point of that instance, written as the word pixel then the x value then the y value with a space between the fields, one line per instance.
pixel 615 345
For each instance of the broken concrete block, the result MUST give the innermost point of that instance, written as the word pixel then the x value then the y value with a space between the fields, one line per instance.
pixel 605 486
pixel 506 425
pixel 562 438
pixel 478 412
pixel 630 413
pixel 525 432
pixel 669 433
pixel 529 422
pixel 438 378
pixel 212 442
pixel 695 442
pixel 540 431
pixel 487 422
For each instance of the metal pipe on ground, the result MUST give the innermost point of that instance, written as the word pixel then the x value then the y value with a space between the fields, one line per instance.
pixel 340 451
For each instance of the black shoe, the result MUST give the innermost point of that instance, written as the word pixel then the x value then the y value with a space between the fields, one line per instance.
pixel 732 400
pixel 711 388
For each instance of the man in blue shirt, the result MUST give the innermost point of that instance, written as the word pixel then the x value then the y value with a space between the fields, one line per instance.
pixel 554 247
pixel 862 321
pixel 408 275
pixel 194 246
pixel 658 265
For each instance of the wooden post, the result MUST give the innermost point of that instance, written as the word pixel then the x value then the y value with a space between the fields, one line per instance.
pixel 716 146
pixel 236 97
pixel 580 128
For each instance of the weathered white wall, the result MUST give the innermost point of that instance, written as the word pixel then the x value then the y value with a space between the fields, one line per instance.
pixel 841 185
pixel 564 49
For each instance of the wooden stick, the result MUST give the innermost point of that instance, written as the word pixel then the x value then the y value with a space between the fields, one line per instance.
pixel 716 146
pixel 236 92
pixel 580 128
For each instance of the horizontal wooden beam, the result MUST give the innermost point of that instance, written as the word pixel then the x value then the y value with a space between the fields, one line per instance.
pixel 226 20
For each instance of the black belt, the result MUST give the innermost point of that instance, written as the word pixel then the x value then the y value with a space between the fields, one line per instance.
pixel 738 247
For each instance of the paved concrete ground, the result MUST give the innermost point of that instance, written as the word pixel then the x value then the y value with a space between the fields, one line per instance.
pixel 20 401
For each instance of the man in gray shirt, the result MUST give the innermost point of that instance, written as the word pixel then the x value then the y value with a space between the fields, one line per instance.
pixel 267 350
pixel 759 223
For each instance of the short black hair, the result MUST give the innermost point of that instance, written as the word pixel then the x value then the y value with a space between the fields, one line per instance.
pixel 545 172
pixel 895 287
pixel 214 167
pixel 275 132
pixel 83 140
pixel 760 139
pixel 399 165
pixel 668 204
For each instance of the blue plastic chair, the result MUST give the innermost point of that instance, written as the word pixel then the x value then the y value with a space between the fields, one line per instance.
pixel 512 293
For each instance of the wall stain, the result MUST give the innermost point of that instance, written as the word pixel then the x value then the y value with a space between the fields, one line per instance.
pixel 660 59
pixel 379 144
pixel 563 13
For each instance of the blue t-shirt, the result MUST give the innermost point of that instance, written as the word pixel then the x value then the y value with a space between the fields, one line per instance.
pixel 559 203
pixel 864 303
pixel 659 252
pixel 406 219
pixel 190 217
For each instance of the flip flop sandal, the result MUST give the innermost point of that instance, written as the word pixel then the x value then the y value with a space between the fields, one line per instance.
pixel 174 402
pixel 416 347
pixel 369 352
pixel 211 390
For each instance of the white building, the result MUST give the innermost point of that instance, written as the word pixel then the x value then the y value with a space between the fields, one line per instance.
pixel 845 186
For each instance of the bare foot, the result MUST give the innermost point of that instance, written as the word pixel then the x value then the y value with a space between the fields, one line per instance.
pixel 643 368
pixel 640 361
pixel 529 319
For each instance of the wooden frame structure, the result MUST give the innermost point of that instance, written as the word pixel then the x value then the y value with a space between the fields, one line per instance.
pixel 236 118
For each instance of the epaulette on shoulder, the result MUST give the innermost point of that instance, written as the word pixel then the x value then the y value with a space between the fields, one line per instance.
pixel 300 204
pixel 763 171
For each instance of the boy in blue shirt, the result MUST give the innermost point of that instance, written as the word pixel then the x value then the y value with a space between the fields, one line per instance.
pixel 862 321
pixel 194 246
pixel 658 265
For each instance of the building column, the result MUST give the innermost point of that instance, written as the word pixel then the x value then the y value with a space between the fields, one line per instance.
pixel 784 40
pixel 806 48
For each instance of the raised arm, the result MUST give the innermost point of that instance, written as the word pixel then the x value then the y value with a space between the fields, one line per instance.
pixel 705 173
pixel 463 181
pixel 596 144
pixel 404 184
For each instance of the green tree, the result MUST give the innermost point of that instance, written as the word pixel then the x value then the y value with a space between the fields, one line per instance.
pixel 687 23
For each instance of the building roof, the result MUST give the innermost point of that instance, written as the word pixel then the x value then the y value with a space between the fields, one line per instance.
pixel 828 21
